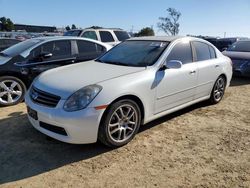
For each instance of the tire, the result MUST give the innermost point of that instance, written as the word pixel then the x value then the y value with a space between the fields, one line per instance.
pixel 218 90
pixel 117 130
pixel 12 91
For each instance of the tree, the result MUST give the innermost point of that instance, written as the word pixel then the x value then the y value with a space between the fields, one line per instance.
pixel 7 24
pixel 73 26
pixel 67 28
pixel 147 31
pixel 170 24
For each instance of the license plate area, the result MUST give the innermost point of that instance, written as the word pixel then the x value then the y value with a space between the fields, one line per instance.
pixel 32 113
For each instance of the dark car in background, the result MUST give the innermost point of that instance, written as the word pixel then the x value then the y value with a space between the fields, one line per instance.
pixel 239 52
pixel 223 43
pixel 6 43
pixel 21 63
pixel 212 40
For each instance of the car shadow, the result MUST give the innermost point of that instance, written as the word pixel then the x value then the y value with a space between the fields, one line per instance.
pixel 239 81
pixel 25 152
pixel 173 115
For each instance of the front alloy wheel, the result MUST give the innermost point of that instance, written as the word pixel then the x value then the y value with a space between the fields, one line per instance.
pixel 120 124
pixel 12 91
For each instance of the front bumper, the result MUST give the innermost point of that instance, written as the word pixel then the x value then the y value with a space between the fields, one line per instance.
pixel 81 126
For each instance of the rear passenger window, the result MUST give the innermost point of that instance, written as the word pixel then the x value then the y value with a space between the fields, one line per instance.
pixel 212 52
pixel 106 36
pixel 181 52
pixel 202 51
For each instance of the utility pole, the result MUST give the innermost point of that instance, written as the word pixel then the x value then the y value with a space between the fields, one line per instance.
pixel 225 33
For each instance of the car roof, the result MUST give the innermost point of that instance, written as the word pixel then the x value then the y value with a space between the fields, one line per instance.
pixel 158 38
pixel 98 29
pixel 54 38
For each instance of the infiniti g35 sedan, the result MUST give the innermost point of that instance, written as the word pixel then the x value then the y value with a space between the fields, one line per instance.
pixel 134 83
pixel 21 63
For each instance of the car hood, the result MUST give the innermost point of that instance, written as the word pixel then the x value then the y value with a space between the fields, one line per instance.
pixel 237 55
pixel 66 80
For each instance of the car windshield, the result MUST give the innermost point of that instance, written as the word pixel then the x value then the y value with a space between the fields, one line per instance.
pixel 20 47
pixel 135 53
pixel 240 46
pixel 121 35
pixel 73 33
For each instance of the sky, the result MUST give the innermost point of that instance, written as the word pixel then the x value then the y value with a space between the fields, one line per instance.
pixel 199 17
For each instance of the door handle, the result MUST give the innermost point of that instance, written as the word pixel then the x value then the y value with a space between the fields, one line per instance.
pixel 216 66
pixel 192 72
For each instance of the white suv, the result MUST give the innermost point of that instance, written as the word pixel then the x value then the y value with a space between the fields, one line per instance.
pixel 110 36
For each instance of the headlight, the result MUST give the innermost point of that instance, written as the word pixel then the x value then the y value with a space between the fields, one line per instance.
pixel 82 98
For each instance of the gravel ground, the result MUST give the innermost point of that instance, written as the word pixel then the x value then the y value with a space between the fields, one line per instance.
pixel 201 146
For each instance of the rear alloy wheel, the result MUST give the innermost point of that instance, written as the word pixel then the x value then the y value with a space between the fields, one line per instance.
pixel 12 91
pixel 218 90
pixel 120 124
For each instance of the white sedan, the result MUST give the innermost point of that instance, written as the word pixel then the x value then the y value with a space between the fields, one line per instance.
pixel 134 83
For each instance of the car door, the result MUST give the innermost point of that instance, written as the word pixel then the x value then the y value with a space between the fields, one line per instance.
pixel 177 86
pixel 208 68
pixel 49 55
pixel 88 50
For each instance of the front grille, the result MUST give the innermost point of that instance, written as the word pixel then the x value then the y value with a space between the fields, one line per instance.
pixel 52 128
pixel 44 98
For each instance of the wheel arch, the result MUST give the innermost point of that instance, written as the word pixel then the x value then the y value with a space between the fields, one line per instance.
pixel 19 76
pixel 134 98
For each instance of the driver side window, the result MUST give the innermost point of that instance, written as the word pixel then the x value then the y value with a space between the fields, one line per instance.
pixel 181 52
pixel 58 49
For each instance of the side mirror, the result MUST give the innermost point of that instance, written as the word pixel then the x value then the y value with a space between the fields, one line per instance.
pixel 172 64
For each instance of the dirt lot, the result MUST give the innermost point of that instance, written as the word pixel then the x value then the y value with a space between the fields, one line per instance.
pixel 201 146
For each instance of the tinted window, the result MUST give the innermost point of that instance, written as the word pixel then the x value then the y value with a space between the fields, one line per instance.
pixel 90 35
pixel 59 49
pixel 212 52
pixel 240 46
pixel 202 51
pixel 181 52
pixel 135 53
pixel 89 50
pixel 106 36
pixel 121 35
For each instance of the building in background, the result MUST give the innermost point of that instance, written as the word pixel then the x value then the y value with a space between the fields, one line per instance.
pixel 34 28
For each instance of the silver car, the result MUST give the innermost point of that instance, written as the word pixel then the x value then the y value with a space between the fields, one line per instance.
pixel 134 83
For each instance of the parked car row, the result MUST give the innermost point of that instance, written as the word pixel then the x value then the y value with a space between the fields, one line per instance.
pixel 135 82
pixel 222 43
